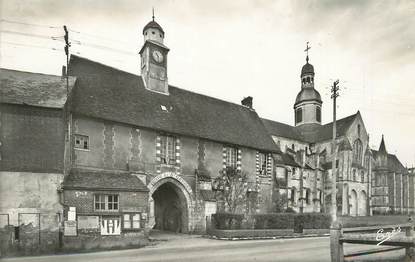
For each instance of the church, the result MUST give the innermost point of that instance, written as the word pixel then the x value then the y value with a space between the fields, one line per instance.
pixel 117 153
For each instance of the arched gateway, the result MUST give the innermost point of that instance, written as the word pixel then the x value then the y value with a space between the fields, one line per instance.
pixel 171 203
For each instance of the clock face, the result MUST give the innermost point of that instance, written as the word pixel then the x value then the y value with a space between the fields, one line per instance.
pixel 158 56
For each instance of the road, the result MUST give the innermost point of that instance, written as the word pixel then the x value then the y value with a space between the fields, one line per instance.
pixel 196 248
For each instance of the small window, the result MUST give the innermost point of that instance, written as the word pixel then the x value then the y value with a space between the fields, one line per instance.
pixel 362 176
pixel 354 175
pixel 81 142
pixel 263 161
pixel 106 202
pixel 308 196
pixel 131 221
pixel 318 114
pixel 161 36
pixel 293 195
pixel 358 130
pixel 231 157
pixel 168 150
pixel 153 32
pixel 298 115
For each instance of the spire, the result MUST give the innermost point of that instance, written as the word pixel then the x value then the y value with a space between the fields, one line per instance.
pixel 382 147
pixel 153 13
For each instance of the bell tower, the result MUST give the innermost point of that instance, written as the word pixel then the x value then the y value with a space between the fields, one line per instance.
pixel 154 58
pixel 307 107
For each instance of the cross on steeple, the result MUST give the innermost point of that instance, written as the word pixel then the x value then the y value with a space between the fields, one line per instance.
pixel 306 50
pixel 153 15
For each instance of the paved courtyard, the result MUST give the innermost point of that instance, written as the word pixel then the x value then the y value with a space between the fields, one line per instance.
pixel 171 247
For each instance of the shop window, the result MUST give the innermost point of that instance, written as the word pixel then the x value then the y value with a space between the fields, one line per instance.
pixel 110 225
pixel 168 150
pixel 131 221
pixel 106 202
pixel 81 142
pixel 231 156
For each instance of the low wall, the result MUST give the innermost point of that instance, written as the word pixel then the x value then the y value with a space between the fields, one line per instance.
pixel 251 233
pixel 88 241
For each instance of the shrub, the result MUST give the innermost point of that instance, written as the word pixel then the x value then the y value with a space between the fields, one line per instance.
pixel 311 221
pixel 274 221
pixel 227 220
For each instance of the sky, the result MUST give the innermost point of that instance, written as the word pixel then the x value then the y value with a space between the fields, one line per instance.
pixel 233 49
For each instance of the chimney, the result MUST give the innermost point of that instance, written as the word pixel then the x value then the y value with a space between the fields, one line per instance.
pixel 247 101
pixel 63 71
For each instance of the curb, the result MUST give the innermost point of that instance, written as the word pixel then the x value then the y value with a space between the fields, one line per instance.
pixel 265 238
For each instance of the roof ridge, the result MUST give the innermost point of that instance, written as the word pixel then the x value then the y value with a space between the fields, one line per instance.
pixel 337 120
pixel 173 86
pixel 211 97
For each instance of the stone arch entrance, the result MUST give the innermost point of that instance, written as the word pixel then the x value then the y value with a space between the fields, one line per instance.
pixel 353 203
pixel 170 202
pixel 362 203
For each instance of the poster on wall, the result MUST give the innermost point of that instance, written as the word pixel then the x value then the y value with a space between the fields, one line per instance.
pixel 88 222
pixel 70 228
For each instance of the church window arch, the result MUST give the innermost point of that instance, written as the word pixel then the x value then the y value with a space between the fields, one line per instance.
pixel 357 151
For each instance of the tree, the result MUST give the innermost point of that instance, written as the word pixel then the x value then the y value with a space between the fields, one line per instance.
pixel 232 187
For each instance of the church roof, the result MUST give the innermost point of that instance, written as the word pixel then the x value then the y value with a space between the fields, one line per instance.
pixel 108 93
pixel 308 94
pixel 307 69
pixel 311 133
pixel 153 24
pixel 393 163
pixel 24 88
pixel 281 129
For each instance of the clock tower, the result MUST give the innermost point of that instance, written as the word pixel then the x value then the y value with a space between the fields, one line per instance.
pixel 154 59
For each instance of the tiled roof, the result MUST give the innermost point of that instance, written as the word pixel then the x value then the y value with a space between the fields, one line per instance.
pixel 24 88
pixel 102 180
pixel 342 125
pixel 286 159
pixel 311 133
pixel 393 162
pixel 280 129
pixel 111 94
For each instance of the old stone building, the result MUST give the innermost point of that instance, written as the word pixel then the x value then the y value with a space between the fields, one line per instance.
pixel 115 153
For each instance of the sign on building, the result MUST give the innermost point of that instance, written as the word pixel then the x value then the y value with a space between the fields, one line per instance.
pixel 70 228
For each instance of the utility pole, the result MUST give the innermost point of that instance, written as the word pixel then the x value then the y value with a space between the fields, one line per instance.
pixel 334 95
pixel 67 45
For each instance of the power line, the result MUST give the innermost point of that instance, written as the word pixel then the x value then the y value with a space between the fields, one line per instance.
pixel 31 35
pixel 27 24
pixel 97 36
pixel 35 46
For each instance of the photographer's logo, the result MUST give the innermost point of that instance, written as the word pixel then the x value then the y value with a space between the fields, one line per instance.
pixel 385 236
